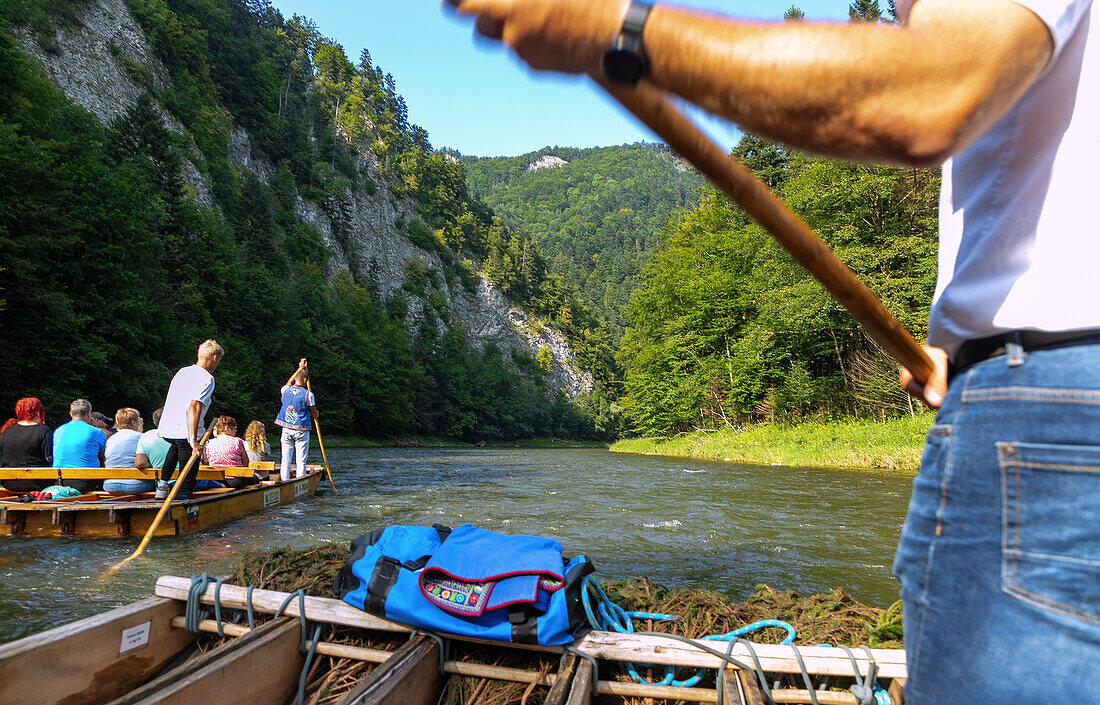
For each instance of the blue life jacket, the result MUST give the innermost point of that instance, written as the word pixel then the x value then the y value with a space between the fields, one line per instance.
pixel 469 582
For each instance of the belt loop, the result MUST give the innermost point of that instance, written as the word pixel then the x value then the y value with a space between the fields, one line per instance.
pixel 1014 347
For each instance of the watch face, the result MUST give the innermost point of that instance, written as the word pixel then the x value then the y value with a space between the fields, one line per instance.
pixel 622 66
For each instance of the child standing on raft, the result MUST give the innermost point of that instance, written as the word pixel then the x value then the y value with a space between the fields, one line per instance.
pixel 298 407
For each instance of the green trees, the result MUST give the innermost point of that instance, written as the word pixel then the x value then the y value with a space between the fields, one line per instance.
pixel 112 274
pixel 595 218
pixel 727 329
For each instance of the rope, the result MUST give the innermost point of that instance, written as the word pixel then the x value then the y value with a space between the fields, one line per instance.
pixel 607 616
pixel 444 648
pixel 195 612
pixel 569 649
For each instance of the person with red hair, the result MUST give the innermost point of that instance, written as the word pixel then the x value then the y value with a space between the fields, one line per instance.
pixel 26 442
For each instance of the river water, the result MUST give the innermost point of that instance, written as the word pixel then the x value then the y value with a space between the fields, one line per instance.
pixel 680 522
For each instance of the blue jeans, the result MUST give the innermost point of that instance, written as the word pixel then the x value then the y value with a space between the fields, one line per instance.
pixel 129 486
pixel 294 444
pixel 999 558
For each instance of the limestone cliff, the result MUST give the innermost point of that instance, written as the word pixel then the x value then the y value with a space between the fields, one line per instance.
pixel 104 64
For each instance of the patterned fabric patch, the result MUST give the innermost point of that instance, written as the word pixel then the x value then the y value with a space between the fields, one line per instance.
pixel 550 582
pixel 455 596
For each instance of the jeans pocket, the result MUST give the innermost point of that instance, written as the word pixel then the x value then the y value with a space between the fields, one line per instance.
pixel 1050 546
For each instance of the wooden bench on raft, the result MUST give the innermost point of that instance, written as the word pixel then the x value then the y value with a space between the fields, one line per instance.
pixel 206 472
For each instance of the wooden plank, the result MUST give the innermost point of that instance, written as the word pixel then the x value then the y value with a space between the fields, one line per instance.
pixel 410 677
pixel 206 472
pixel 741 687
pixel 820 660
pixel 745 682
pixel 559 691
pixel 580 691
pixel 94 659
pixel 260 668
pixel 896 691
pixel 223 654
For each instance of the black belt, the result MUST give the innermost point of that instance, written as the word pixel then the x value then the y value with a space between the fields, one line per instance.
pixel 974 351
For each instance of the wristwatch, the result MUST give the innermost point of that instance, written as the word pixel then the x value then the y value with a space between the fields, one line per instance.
pixel 624 60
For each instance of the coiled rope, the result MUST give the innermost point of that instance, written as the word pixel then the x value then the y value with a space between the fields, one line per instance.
pixel 195 612
pixel 605 615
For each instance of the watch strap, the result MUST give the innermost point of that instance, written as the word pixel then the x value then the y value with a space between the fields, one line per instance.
pixel 636 15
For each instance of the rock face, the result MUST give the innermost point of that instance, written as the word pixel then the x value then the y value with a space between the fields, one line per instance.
pixel 100 64
pixel 547 161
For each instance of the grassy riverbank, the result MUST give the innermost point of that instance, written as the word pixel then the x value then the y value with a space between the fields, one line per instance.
pixel 853 443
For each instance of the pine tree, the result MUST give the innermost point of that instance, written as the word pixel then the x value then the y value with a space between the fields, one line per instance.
pixel 864 11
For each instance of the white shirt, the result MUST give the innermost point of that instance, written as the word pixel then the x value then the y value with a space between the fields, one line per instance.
pixel 121 448
pixel 190 384
pixel 1018 240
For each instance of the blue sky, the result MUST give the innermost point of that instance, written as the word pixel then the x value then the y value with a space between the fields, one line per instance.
pixel 476 98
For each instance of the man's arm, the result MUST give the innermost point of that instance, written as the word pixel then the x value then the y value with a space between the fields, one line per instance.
pixel 194 413
pixel 913 94
pixel 141 461
pixel 299 373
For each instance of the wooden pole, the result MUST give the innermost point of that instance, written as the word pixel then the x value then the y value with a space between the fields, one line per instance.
pixel 321 443
pixel 653 107
pixel 167 502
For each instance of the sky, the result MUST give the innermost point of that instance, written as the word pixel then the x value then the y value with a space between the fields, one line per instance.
pixel 473 96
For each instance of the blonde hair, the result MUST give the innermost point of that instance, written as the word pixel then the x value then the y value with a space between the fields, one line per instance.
pixel 128 418
pixel 211 347
pixel 254 436
pixel 224 423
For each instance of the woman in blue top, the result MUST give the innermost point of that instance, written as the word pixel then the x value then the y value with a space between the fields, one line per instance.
pixel 294 416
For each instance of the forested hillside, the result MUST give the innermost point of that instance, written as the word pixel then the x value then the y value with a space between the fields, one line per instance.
pixel 595 217
pixel 727 329
pixel 114 267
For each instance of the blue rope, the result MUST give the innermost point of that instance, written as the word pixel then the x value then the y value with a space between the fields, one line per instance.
pixel 607 616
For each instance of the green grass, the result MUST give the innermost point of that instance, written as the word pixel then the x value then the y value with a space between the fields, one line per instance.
pixel 851 443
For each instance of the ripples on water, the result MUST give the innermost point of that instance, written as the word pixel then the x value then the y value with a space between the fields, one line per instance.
pixel 680 522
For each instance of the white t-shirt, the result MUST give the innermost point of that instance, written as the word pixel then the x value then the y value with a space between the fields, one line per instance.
pixel 121 448
pixel 190 384
pixel 1018 240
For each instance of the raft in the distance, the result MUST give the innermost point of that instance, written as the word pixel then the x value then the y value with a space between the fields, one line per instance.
pixel 103 515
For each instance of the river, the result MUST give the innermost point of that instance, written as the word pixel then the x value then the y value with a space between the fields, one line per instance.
pixel 679 522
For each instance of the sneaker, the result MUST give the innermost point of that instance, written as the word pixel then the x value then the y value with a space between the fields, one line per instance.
pixel 162 490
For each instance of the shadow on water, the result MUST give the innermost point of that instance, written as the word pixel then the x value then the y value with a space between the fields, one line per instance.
pixel 680 522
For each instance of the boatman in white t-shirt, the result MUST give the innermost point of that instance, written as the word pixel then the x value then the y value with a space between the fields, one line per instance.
pixel 181 423
pixel 999 559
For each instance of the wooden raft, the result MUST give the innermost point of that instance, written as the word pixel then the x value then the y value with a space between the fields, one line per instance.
pixel 103 515
pixel 121 657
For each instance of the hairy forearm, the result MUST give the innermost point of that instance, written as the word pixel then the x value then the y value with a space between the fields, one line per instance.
pixel 912 94
pixel 904 94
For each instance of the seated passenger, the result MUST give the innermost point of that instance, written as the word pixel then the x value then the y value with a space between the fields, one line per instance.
pixel 121 451
pixel 103 423
pixel 79 444
pixel 151 448
pixel 256 445
pixel 225 450
pixel 26 442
